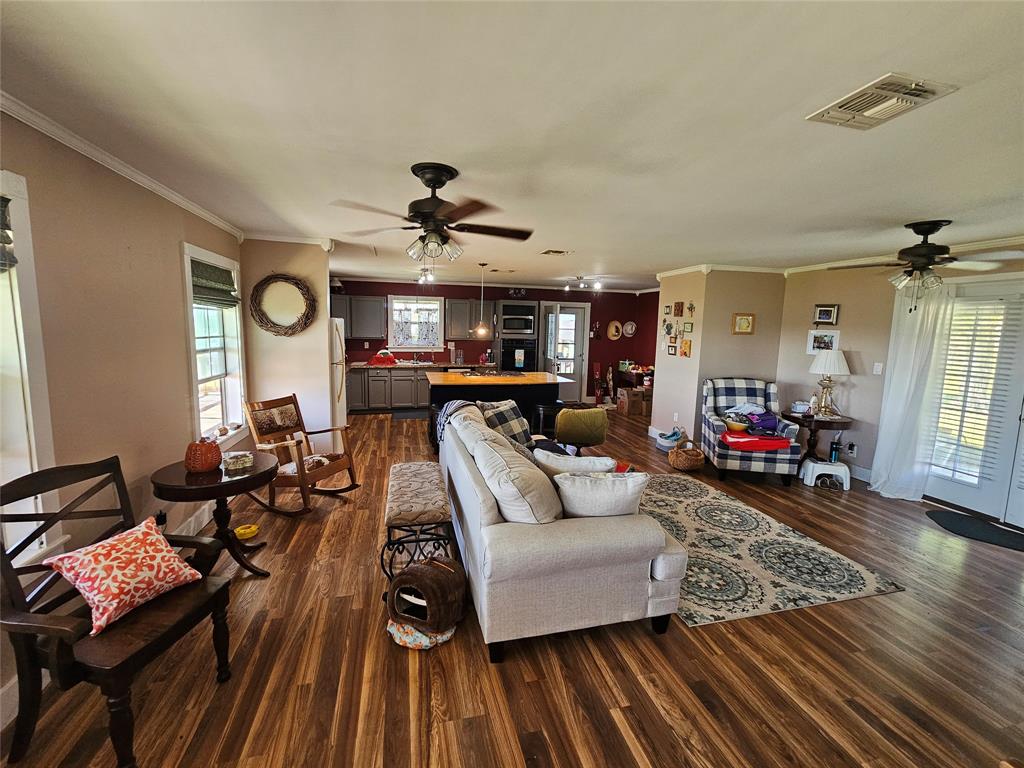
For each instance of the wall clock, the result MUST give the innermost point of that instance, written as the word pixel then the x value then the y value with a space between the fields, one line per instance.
pixel 628 329
pixel 614 330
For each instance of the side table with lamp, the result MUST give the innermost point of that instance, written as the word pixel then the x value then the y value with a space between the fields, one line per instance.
pixel 827 363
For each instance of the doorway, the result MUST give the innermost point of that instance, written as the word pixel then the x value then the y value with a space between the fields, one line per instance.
pixel 566 348
pixel 977 459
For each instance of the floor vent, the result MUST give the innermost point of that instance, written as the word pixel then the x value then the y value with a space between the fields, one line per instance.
pixel 887 97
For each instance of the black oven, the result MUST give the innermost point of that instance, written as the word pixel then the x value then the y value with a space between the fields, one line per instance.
pixel 518 355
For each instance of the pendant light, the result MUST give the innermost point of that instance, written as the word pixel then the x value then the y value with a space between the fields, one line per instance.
pixel 481 328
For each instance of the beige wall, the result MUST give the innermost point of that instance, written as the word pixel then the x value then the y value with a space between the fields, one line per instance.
pixel 677 381
pixel 279 365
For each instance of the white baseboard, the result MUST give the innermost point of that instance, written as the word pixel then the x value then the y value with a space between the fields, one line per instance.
pixel 197 521
pixel 860 473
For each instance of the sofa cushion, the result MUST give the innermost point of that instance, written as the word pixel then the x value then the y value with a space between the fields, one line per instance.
pixel 524 493
pixel 470 425
pixel 505 416
pixel 670 565
pixel 555 464
pixel 601 494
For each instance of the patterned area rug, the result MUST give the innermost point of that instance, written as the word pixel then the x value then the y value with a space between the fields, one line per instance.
pixel 744 563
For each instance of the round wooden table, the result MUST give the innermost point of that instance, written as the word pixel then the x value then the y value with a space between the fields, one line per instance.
pixel 173 483
pixel 814 424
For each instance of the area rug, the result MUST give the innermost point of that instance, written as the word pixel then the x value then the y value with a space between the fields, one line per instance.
pixel 743 562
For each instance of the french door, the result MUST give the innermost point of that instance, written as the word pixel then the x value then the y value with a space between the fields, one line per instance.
pixel 978 451
pixel 565 346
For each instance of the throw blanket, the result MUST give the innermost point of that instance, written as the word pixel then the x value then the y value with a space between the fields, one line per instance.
pixel 447 411
pixel 741 441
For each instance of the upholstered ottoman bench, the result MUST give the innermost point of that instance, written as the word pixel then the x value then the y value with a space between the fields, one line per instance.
pixel 417 515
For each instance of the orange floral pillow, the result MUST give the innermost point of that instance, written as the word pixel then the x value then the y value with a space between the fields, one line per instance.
pixel 121 573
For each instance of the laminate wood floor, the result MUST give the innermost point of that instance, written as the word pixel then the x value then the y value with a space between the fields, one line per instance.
pixel 933 676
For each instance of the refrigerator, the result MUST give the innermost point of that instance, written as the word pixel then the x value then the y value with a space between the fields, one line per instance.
pixel 339 405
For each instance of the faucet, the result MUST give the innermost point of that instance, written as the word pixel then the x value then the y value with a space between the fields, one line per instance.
pixel 415 357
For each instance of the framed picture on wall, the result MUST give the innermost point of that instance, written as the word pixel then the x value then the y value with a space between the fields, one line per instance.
pixel 687 327
pixel 743 323
pixel 668 309
pixel 826 314
pixel 678 308
pixel 673 339
pixel 819 341
pixel 686 348
pixel 671 349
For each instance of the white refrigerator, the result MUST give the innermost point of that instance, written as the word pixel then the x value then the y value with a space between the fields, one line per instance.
pixel 339 405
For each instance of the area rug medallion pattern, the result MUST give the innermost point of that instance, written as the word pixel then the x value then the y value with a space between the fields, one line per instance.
pixel 744 563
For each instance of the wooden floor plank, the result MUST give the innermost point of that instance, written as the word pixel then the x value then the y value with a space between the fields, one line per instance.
pixel 930 676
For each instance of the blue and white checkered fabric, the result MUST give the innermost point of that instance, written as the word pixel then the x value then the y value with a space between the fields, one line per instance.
pixel 720 394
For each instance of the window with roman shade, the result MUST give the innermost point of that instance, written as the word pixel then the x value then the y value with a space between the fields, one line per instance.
pixel 213 286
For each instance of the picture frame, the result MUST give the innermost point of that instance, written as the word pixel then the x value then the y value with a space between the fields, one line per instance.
pixel 673 339
pixel 819 341
pixel 687 327
pixel 668 309
pixel 743 323
pixel 686 348
pixel 671 349
pixel 678 308
pixel 826 314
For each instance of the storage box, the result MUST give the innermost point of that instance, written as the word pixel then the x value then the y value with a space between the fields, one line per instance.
pixel 645 407
pixel 648 394
pixel 629 401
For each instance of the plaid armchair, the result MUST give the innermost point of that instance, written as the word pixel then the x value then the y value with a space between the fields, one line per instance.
pixel 720 394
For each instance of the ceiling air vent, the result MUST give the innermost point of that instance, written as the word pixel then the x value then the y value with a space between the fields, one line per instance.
pixel 885 98
pixel 553 252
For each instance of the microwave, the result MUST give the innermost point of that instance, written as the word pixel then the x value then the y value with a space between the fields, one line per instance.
pixel 518 320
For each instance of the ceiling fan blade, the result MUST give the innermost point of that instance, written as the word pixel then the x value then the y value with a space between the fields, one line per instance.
pixel 368 208
pixel 454 239
pixel 365 232
pixel 1001 255
pixel 971 266
pixel 873 266
pixel 464 208
pixel 483 229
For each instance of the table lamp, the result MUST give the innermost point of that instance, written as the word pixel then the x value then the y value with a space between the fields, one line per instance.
pixel 828 363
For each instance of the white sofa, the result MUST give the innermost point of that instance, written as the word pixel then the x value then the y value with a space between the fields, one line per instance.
pixel 529 580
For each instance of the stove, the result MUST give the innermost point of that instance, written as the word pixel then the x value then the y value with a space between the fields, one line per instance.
pixel 490 372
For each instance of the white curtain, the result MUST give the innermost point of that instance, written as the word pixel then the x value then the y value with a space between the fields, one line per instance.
pixel 916 361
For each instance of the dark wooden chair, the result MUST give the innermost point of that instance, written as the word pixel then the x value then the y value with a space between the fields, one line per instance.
pixel 277 427
pixel 61 643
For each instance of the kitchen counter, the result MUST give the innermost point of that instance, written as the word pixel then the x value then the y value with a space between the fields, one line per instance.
pixel 419 367
pixel 528 390
pixel 445 379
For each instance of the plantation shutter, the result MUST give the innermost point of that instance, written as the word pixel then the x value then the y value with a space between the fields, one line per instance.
pixel 974 407
pixel 213 286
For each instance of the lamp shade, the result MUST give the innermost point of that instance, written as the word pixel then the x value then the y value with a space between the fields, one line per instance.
pixel 830 362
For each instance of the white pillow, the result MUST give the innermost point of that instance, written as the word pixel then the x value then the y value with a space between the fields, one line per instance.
pixel 601 494
pixel 555 464
pixel 471 428
pixel 524 493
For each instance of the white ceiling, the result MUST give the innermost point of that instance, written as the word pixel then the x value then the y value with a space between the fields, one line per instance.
pixel 642 137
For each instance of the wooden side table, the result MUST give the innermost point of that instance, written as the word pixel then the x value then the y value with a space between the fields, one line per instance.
pixel 815 424
pixel 173 483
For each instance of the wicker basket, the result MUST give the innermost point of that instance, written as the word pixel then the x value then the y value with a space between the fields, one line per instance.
pixel 684 458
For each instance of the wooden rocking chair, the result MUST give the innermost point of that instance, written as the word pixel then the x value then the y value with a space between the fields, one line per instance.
pixel 274 425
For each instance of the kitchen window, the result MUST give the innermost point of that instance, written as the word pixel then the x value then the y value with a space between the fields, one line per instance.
pixel 216 358
pixel 415 323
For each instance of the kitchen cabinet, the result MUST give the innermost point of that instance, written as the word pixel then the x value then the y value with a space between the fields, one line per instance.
pixel 461 317
pixel 369 317
pixel 378 389
pixel 341 307
pixel 422 390
pixel 355 389
pixel 403 389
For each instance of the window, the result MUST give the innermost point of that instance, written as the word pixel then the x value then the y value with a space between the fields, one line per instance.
pixel 416 323
pixel 216 361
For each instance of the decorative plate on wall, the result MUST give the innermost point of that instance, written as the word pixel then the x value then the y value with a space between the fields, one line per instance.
pixel 614 330
pixel 629 329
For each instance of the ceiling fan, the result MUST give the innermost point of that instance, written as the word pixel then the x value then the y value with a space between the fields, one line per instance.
pixel 438 218
pixel 921 258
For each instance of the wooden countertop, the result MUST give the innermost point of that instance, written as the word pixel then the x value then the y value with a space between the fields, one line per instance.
pixel 445 379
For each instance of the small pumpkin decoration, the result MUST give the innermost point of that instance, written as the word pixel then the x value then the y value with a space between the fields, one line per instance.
pixel 203 455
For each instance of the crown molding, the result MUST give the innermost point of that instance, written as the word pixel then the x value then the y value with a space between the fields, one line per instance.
pixel 35 119
pixel 708 268
pixel 324 242
pixel 476 284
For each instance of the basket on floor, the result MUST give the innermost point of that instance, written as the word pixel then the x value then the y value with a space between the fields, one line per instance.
pixel 686 459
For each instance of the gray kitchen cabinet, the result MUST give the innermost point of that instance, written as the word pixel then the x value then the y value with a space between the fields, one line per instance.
pixel 355 389
pixel 422 390
pixel 461 317
pixel 342 308
pixel 403 389
pixel 369 317
pixel 378 389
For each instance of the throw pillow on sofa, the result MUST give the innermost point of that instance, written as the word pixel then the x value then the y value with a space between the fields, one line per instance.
pixel 601 494
pixel 505 417
pixel 555 464
pixel 470 426
pixel 119 574
pixel 523 493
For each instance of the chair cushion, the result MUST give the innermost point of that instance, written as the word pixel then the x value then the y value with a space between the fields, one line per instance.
pixel 119 574
pixel 524 493
pixel 601 494
pixel 732 391
pixel 311 462
pixel 582 427
pixel 505 417
pixel 145 633
pixel 416 495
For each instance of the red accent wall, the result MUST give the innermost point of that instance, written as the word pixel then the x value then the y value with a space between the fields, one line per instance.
pixel 604 307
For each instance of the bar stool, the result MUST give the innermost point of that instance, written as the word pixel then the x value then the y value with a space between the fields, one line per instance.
pixel 542 412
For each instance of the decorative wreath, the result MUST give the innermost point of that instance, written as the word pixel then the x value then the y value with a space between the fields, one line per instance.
pixel 301 323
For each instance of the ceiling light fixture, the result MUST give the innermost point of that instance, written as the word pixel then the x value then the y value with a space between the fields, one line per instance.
pixel 481 328
pixel 930 279
pixel 452 250
pixel 433 245
pixel 566 289
pixel 900 279
pixel 597 285
pixel 415 250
